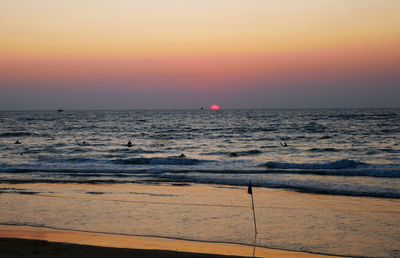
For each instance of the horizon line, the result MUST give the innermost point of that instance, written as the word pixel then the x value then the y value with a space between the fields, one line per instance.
pixel 199 109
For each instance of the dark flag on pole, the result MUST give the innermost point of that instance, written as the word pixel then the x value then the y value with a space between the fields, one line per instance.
pixel 250 189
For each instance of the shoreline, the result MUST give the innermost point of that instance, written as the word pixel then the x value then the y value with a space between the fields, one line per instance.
pixel 41 240
pixel 206 215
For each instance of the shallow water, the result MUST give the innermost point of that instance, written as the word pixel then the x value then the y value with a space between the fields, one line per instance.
pixel 341 225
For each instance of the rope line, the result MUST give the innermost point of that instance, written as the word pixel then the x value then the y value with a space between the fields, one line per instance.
pixel 213 205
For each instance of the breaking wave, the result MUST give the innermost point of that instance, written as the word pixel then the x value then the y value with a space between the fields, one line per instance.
pixel 340 164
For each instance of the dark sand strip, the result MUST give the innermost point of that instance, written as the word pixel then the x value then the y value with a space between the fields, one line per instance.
pixel 12 247
pixel 26 241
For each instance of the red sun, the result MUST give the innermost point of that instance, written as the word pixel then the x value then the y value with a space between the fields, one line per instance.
pixel 214 107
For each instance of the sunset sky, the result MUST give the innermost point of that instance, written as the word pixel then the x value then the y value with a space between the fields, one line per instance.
pixel 99 54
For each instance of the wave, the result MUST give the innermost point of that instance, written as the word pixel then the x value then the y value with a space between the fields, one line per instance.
pixel 143 172
pixel 340 164
pixel 67 160
pixel 382 186
pixel 389 150
pixel 175 164
pixel 324 137
pixel 64 181
pixel 333 191
pixel 158 161
pixel 314 188
pixel 16 134
pixel 387 173
pixel 249 152
pixel 318 190
pixel 235 153
pixel 323 150
pixel 125 161
pixel 313 127
pixel 130 150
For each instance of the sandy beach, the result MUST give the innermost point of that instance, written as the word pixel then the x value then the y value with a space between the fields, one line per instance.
pixel 24 241
pixel 200 219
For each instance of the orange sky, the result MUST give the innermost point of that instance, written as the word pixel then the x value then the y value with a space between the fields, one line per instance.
pixel 198 45
pixel 173 27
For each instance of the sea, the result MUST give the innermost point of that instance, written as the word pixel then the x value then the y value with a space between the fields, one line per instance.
pixel 343 156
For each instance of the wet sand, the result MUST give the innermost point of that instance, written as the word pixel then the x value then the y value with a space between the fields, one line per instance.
pixel 286 220
pixel 25 241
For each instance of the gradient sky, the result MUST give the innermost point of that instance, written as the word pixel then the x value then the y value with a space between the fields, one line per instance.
pixel 101 54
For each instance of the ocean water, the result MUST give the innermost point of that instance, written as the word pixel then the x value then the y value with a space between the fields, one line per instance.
pixel 334 188
pixel 344 152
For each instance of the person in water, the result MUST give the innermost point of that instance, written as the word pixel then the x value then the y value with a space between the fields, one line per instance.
pixel 129 143
pixel 182 156
pixel 17 142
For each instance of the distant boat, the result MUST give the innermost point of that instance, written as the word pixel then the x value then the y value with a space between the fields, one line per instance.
pixel 60 110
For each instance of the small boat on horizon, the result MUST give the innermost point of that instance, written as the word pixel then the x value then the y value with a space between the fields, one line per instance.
pixel 60 110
